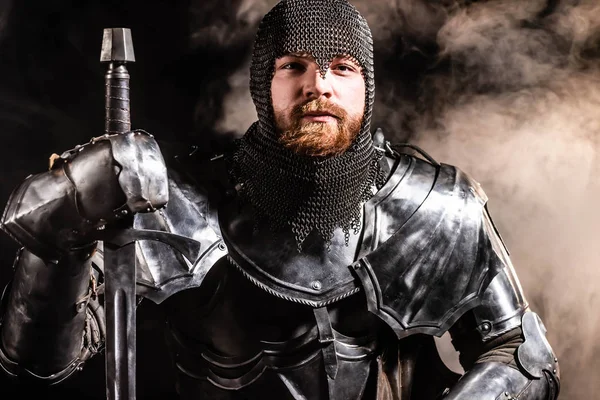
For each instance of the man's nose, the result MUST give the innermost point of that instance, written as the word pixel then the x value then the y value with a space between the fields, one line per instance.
pixel 316 86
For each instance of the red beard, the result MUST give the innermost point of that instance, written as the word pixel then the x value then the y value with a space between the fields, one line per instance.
pixel 320 139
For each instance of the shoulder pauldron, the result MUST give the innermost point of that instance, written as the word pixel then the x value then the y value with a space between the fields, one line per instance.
pixel 161 270
pixel 429 249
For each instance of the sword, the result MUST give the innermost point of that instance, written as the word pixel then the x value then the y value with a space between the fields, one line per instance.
pixel 119 260
pixel 119 239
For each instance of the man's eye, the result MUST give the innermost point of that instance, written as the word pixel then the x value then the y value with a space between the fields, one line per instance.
pixel 293 66
pixel 344 68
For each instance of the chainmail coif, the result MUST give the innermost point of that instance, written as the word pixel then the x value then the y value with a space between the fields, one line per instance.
pixel 303 192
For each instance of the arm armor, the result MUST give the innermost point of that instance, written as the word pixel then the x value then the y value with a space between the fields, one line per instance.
pixel 87 187
pixel 51 320
pixel 503 347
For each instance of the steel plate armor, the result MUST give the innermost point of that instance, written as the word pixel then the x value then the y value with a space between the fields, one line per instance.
pixel 340 339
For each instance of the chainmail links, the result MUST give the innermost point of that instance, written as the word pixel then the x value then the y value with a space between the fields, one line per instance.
pixel 302 192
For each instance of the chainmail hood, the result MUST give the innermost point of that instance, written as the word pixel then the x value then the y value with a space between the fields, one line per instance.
pixel 303 192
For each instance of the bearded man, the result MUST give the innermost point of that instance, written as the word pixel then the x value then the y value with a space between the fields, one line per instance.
pixel 329 260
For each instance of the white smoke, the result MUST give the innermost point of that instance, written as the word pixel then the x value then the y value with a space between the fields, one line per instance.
pixel 520 114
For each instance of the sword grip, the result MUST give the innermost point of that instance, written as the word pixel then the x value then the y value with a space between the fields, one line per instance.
pixel 116 96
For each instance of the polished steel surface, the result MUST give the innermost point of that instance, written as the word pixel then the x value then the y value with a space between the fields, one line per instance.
pixel 432 236
pixel 86 188
pixel 503 305
pixel 117 45
pixel 43 298
pixel 119 302
pixel 316 276
pixel 535 354
pixel 264 347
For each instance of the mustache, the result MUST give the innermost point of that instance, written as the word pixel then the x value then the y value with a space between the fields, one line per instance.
pixel 319 106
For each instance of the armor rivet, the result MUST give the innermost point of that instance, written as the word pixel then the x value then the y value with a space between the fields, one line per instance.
pixel 316 285
pixel 555 359
pixel 486 327
pixel 356 266
pixel 222 246
pixel 124 212
pixel 554 371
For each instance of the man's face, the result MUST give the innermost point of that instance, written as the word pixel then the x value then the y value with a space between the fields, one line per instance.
pixel 316 116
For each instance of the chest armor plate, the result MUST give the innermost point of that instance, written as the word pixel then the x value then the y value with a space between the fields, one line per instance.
pixel 296 324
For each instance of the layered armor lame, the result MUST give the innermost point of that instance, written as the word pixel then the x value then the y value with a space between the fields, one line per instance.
pixel 304 192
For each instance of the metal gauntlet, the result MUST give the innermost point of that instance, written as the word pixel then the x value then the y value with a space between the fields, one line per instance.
pixel 91 185
pixel 51 321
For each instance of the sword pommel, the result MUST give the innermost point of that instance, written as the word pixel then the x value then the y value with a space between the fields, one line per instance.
pixel 117 46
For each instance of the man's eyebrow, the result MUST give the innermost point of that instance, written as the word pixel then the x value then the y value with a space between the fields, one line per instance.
pixel 308 56
pixel 298 54
pixel 347 57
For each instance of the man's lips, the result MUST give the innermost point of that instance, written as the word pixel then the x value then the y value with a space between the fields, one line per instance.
pixel 319 116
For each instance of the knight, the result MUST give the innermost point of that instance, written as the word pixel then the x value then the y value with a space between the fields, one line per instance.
pixel 330 258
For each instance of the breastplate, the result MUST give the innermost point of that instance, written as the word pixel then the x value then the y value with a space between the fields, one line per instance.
pixel 279 323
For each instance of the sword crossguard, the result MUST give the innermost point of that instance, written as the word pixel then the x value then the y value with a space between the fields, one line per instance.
pixel 118 238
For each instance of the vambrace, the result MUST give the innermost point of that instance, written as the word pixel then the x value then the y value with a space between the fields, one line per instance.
pixel 51 321
pixel 87 187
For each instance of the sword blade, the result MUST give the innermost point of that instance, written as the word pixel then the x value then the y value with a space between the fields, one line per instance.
pixel 119 300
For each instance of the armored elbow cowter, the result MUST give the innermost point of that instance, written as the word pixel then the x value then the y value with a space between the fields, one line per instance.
pixel 50 322
pixel 87 187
